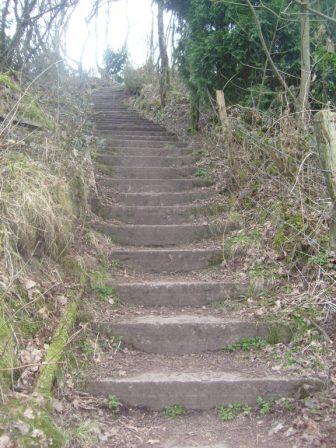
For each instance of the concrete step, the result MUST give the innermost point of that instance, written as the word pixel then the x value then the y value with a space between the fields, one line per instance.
pixel 144 215
pixel 144 140
pixel 161 235
pixel 149 152
pixel 133 129
pixel 199 390
pixel 179 293
pixel 143 143
pixel 164 199
pixel 166 260
pixel 141 172
pixel 154 185
pixel 145 161
pixel 182 333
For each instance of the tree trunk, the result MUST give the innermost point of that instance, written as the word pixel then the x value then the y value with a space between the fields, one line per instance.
pixel 302 101
pixel 325 128
pixel 164 66
pixel 227 131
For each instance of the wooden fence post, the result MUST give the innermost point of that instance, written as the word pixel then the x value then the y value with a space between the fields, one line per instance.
pixel 325 129
pixel 227 131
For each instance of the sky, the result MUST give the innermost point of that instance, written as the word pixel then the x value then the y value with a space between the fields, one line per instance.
pixel 135 15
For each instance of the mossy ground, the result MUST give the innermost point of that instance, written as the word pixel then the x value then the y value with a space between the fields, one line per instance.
pixel 28 423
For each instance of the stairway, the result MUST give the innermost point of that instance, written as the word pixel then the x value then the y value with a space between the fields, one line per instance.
pixel 155 213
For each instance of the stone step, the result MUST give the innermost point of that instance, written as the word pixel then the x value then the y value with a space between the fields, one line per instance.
pixel 200 390
pixel 132 128
pixel 141 172
pixel 161 235
pixel 133 140
pixel 154 185
pixel 145 215
pixel 183 333
pixel 164 199
pixel 132 131
pixel 144 143
pixel 145 161
pixel 179 293
pixel 166 260
pixel 149 152
pixel 119 118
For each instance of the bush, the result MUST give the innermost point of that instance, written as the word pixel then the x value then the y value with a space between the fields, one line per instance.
pixel 136 78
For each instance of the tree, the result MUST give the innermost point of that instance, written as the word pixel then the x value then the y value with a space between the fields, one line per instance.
pixel 164 61
pixel 115 61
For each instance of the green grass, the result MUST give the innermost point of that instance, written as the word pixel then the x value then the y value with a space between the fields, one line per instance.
pixel 201 172
pixel 231 411
pixel 113 403
pixel 107 294
pixel 174 411
pixel 264 406
pixel 247 344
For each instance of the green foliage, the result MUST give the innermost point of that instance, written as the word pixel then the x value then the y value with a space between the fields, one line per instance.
pixel 264 406
pixel 247 344
pixel 174 411
pixel 232 410
pixel 201 172
pixel 108 294
pixel 220 46
pixel 113 403
pixel 115 62
pixel 136 78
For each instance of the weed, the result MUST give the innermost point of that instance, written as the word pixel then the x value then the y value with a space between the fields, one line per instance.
pixel 85 433
pixel 174 411
pixel 86 347
pixel 232 410
pixel 264 406
pixel 113 403
pixel 201 172
pixel 320 259
pixel 108 294
pixel 247 344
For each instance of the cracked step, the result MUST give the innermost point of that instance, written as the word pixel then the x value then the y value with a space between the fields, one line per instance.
pixel 154 185
pixel 179 294
pixel 162 235
pixel 199 391
pixel 166 260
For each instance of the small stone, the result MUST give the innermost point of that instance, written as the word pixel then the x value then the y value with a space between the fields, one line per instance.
pixel 276 429
pixel 23 428
pixel 29 284
pixel 5 441
pixel 29 414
